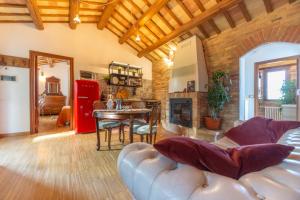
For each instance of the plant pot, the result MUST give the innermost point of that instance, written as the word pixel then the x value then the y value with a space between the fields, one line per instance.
pixel 212 124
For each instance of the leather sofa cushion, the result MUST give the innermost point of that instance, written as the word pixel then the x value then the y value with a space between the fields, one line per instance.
pixel 260 130
pixel 232 163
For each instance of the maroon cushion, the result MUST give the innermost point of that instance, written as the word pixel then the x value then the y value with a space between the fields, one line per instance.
pixel 232 162
pixel 280 127
pixel 256 157
pixel 199 154
pixel 260 130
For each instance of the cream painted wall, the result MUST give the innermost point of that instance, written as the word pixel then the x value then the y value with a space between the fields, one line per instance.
pixel 59 70
pixel 91 49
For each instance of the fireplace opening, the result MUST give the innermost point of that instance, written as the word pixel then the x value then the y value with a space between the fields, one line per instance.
pixel 181 112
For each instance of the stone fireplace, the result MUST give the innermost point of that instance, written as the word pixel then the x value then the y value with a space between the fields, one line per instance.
pixel 188 110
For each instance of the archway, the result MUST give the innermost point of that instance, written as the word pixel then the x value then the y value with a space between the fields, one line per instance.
pixel 267 51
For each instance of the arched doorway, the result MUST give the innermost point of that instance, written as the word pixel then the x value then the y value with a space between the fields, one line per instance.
pixel 265 52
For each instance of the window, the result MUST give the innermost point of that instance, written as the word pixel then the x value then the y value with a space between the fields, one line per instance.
pixel 274 82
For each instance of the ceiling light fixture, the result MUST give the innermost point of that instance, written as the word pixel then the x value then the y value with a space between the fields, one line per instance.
pixel 170 59
pixel 77 19
pixel 138 38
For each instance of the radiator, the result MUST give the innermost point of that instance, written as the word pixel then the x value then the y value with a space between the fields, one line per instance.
pixel 273 112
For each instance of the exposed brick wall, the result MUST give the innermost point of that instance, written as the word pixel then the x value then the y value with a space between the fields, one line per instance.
pixel 160 77
pixel 224 50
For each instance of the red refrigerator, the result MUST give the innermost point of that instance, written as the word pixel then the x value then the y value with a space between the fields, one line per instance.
pixel 86 92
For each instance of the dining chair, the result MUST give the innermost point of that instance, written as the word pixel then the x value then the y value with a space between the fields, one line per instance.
pixel 149 129
pixel 136 122
pixel 107 126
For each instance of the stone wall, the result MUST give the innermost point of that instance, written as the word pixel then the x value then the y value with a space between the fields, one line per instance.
pixel 224 50
pixel 144 92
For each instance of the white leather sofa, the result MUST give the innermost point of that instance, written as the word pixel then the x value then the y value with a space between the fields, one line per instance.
pixel 151 176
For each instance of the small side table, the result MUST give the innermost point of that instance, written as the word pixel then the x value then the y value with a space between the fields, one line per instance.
pixel 210 135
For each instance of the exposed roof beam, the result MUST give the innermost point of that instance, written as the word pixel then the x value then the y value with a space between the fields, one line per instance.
pixel 185 9
pixel 145 17
pixel 108 11
pixel 214 26
pixel 206 15
pixel 245 12
pixel 211 21
pixel 268 6
pixel 73 11
pixel 203 31
pixel 200 5
pixel 229 19
pixel 170 12
pixel 35 14
pixel 12 5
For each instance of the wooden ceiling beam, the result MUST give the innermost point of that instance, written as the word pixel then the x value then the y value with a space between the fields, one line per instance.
pixel 185 9
pixel 73 11
pixel 143 19
pixel 165 21
pixel 211 21
pixel 151 21
pixel 206 15
pixel 158 15
pixel 244 11
pixel 203 31
pixel 13 5
pixel 143 36
pixel 14 14
pixel 268 6
pixel 214 26
pixel 35 14
pixel 170 12
pixel 200 5
pixel 108 11
pixel 229 19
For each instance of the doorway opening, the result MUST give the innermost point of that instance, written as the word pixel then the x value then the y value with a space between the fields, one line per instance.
pixel 248 85
pixel 51 92
pixel 276 84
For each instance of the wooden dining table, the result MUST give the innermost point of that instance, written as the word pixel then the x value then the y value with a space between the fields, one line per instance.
pixel 124 114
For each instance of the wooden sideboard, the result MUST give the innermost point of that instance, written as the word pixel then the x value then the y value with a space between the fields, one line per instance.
pixel 51 105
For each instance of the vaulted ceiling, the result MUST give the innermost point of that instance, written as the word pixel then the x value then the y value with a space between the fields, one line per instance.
pixel 159 23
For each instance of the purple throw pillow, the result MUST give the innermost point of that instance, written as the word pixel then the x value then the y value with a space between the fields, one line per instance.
pixel 259 130
pixel 231 163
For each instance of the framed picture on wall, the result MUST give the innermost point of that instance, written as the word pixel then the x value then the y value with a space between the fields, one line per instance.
pixel 191 86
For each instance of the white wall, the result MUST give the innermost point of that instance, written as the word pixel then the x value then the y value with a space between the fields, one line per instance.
pixel 14 101
pixel 61 71
pixel 91 48
pixel 264 52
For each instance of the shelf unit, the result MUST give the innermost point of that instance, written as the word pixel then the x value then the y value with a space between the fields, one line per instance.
pixel 125 75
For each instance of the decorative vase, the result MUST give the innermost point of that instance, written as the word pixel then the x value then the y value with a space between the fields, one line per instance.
pixel 212 124
pixel 118 104
pixel 110 102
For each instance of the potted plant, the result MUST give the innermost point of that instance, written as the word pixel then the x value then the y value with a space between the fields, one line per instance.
pixel 218 95
pixel 288 100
